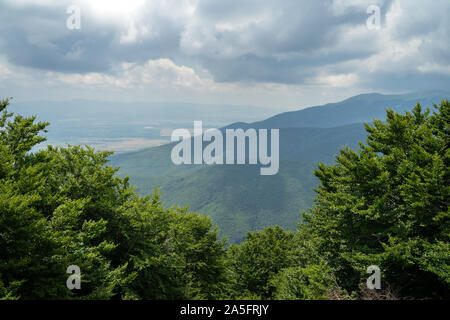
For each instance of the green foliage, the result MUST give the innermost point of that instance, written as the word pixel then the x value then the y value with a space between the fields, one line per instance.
pixel 172 254
pixel 387 205
pixel 66 206
pixel 311 283
pixel 257 260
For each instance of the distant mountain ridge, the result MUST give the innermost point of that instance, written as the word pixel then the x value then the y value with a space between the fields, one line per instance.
pixel 240 200
pixel 357 109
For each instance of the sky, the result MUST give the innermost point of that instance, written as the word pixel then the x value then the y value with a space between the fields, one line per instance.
pixel 277 54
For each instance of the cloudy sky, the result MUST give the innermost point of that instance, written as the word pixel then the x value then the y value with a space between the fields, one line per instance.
pixel 283 53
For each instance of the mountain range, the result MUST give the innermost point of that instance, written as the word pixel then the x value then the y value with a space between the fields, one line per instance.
pixel 237 197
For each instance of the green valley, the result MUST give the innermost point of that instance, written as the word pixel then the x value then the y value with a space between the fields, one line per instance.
pixel 236 197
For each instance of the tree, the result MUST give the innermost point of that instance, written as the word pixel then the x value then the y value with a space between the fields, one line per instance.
pixel 65 206
pixel 387 205
pixel 257 260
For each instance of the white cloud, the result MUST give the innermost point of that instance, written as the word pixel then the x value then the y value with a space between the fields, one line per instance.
pixel 338 80
pixel 157 73
pixel 4 72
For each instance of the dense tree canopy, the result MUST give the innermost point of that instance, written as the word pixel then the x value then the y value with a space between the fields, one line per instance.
pixel 388 205
pixel 65 206
pixel 257 260
pixel 385 205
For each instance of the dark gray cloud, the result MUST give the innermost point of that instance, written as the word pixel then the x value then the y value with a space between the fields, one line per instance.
pixel 288 42
pixel 36 37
